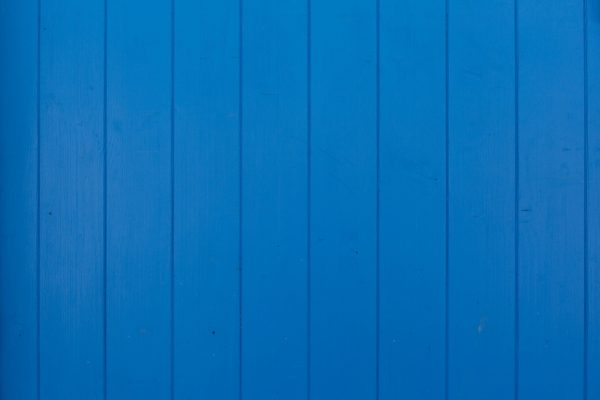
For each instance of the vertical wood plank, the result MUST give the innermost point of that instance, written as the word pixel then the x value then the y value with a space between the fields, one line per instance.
pixel 551 199
pixel 139 199
pixel 593 199
pixel 18 199
pixel 71 199
pixel 274 153
pixel 412 199
pixel 481 265
pixel 206 199
pixel 343 200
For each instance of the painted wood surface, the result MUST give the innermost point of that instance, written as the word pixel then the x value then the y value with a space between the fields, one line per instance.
pixel 139 201
pixel 71 207
pixel 300 199
pixel 482 197
pixel 551 200
pixel 412 199
pixel 206 191
pixel 19 201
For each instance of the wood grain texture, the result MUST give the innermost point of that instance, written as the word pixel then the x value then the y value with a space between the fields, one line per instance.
pixel 343 200
pixel 412 199
pixel 592 88
pixel 299 199
pixel 18 199
pixel 274 199
pixel 206 183
pixel 551 200
pixel 482 200
pixel 71 199
pixel 139 199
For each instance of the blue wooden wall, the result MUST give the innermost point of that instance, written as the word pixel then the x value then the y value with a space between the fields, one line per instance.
pixel 300 199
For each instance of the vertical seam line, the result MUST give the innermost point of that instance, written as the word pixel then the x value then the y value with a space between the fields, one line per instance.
pixel 516 199
pixel 38 197
pixel 447 225
pixel 585 203
pixel 308 199
pixel 377 196
pixel 172 260
pixel 104 205
pixel 240 172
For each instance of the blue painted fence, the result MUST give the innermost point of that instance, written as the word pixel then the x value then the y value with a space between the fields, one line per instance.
pixel 292 199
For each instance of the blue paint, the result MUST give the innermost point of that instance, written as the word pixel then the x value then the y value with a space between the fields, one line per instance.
pixel 139 195
pixel 482 192
pixel 274 171
pixel 412 199
pixel 343 199
pixel 296 199
pixel 551 200
pixel 18 200
pixel 71 208
pixel 206 138
pixel 592 260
